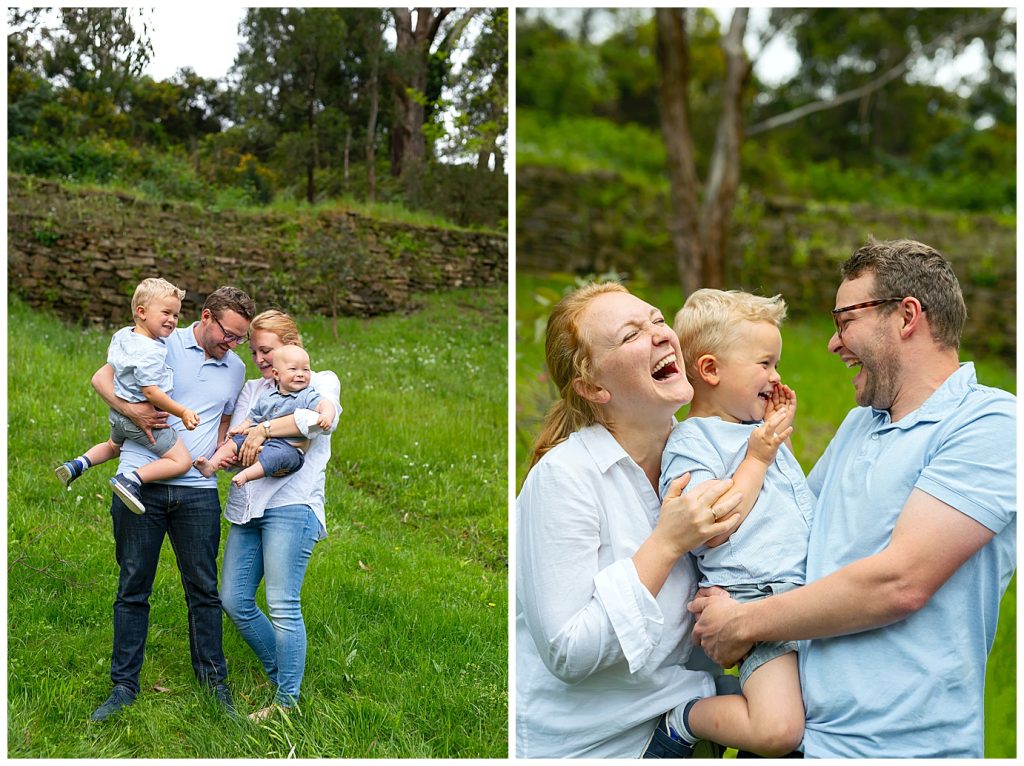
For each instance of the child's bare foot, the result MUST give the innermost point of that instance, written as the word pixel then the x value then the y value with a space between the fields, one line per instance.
pixel 204 466
pixel 238 479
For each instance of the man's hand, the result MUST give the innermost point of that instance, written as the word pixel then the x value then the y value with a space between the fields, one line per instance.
pixel 145 416
pixel 714 630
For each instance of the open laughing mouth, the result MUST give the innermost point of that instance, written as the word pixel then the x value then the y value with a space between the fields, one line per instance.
pixel 666 368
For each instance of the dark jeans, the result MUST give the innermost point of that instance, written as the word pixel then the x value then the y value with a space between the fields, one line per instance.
pixel 190 517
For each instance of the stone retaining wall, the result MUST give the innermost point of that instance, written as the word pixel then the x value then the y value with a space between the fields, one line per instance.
pixel 598 222
pixel 81 254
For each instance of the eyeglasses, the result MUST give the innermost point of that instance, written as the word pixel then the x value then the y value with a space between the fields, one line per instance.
pixel 229 337
pixel 865 305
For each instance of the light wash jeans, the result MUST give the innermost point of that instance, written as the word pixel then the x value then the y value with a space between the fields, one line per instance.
pixel 275 547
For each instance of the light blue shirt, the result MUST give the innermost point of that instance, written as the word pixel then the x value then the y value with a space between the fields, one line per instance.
pixel 274 403
pixel 205 385
pixel 138 362
pixel 914 688
pixel 771 544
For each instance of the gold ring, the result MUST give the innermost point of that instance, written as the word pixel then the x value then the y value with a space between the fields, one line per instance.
pixel 713 514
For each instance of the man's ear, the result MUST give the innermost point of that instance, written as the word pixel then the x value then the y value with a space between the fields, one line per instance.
pixel 912 315
pixel 591 392
pixel 707 369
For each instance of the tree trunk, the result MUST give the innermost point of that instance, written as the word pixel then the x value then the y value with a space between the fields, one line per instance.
pixel 412 49
pixel 724 171
pixel 371 121
pixel 674 64
pixel 348 146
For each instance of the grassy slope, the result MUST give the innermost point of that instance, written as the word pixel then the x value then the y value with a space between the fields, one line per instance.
pixel 825 396
pixel 405 601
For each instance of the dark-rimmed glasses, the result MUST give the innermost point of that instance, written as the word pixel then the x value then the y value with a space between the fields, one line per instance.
pixel 865 305
pixel 229 337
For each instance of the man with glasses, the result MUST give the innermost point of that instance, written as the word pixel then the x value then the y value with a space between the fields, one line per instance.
pixel 207 378
pixel 914 535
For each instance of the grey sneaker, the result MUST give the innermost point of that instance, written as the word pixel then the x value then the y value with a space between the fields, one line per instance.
pixel 129 492
pixel 120 697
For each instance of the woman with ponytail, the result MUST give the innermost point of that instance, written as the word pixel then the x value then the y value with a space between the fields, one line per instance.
pixel 602 579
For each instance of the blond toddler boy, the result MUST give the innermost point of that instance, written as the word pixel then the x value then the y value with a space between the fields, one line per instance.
pixel 738 426
pixel 139 358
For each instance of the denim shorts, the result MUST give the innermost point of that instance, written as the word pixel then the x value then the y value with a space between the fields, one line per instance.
pixel 763 651
pixel 122 428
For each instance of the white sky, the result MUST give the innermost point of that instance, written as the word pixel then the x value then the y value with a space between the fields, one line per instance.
pixel 205 39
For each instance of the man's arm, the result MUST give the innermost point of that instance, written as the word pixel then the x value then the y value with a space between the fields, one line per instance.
pixel 930 542
pixel 142 414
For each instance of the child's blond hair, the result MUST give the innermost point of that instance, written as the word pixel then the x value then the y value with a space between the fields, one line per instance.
pixel 151 289
pixel 707 323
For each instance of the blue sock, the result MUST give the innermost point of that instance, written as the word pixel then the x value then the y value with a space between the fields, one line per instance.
pixel 79 465
pixel 134 477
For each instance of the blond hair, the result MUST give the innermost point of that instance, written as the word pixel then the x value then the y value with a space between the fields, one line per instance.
pixel 152 289
pixel 708 321
pixel 279 323
pixel 567 355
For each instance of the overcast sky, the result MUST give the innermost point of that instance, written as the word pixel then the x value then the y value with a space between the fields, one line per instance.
pixel 207 41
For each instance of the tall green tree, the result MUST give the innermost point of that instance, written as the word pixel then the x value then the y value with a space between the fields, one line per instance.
pixel 843 70
pixel 481 94
pixel 284 68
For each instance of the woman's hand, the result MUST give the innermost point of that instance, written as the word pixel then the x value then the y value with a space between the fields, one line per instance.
pixel 252 445
pixel 685 522
pixel 705 512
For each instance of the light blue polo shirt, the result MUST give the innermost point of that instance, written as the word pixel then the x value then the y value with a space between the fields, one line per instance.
pixel 209 387
pixel 770 545
pixel 914 688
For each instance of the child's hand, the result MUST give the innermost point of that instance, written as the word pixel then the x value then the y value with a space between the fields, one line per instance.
pixel 765 440
pixel 189 419
pixel 241 428
pixel 782 396
pixel 326 411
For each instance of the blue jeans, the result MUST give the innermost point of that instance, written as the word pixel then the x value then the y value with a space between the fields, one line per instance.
pixel 275 547
pixel 190 517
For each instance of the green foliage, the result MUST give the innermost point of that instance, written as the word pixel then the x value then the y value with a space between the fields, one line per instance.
pixel 588 143
pixel 297 107
pixel 978 181
pixel 405 601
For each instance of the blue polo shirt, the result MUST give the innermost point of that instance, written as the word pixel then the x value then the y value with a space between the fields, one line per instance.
pixel 914 688
pixel 205 385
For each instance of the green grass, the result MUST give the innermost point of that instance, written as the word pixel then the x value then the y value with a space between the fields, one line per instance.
pixel 825 396
pixel 405 602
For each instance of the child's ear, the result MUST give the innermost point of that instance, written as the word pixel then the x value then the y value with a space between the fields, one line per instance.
pixel 591 392
pixel 707 369
pixel 140 312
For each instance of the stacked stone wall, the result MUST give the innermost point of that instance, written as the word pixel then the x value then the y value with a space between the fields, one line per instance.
pixel 81 254
pixel 599 222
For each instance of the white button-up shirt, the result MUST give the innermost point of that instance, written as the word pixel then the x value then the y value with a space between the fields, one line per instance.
pixel 305 486
pixel 598 658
